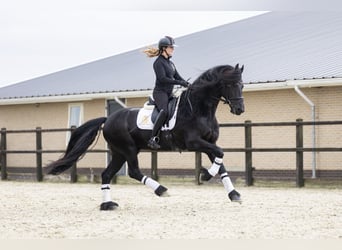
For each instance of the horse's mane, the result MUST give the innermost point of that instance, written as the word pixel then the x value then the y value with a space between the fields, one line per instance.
pixel 210 76
pixel 210 80
pixel 207 79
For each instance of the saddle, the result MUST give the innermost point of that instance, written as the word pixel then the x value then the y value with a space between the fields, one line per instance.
pixel 170 108
pixel 148 114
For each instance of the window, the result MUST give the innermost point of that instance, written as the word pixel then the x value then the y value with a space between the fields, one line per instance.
pixel 75 117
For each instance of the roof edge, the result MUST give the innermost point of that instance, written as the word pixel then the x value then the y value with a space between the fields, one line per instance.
pixel 266 86
pixel 289 84
pixel 74 98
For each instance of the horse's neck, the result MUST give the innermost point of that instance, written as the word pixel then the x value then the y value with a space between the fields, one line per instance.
pixel 203 103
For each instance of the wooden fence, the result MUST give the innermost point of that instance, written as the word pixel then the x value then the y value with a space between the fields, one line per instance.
pixel 248 149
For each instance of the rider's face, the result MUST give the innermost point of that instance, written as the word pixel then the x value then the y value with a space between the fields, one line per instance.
pixel 169 50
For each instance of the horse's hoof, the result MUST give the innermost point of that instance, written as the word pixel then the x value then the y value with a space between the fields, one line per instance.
pixel 234 196
pixel 161 191
pixel 109 205
pixel 205 176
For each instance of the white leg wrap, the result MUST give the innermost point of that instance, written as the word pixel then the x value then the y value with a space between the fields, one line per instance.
pixel 150 182
pixel 227 183
pixel 106 193
pixel 213 170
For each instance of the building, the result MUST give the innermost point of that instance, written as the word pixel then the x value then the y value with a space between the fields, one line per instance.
pixel 293 69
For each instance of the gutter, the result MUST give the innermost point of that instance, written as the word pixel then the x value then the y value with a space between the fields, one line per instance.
pixel 313 114
pixel 290 84
pixel 75 98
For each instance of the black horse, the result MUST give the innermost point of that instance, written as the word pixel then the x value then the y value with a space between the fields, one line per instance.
pixel 196 129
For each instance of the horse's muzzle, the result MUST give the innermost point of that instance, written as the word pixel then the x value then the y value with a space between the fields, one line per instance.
pixel 237 111
pixel 237 108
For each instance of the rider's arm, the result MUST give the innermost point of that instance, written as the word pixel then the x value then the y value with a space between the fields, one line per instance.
pixel 162 76
pixel 177 75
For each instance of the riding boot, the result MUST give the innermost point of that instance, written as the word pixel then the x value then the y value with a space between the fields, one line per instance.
pixel 153 142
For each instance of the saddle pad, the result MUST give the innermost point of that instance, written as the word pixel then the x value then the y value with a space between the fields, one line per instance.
pixel 144 120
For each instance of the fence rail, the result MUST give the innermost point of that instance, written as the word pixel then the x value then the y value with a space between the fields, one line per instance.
pixel 248 149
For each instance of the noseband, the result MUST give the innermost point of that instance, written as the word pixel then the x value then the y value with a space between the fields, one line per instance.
pixel 226 100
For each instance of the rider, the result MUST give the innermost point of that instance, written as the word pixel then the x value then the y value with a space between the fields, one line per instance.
pixel 166 77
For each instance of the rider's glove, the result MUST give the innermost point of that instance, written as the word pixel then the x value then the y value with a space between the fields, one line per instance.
pixel 184 83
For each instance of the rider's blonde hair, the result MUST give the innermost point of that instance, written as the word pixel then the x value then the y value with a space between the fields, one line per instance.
pixel 152 52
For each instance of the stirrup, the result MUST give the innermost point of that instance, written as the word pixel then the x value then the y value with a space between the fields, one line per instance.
pixel 156 139
pixel 153 142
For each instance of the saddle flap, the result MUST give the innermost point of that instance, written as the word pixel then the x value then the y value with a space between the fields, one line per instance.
pixel 147 115
pixel 171 110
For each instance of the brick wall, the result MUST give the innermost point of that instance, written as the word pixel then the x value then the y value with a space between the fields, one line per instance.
pixel 261 106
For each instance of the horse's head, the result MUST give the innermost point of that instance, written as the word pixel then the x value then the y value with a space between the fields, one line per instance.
pixel 230 87
pixel 221 83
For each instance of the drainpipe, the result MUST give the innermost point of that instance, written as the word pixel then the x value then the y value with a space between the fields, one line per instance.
pixel 313 111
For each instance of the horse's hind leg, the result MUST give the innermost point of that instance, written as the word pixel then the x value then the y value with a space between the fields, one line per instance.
pixel 107 175
pixel 135 173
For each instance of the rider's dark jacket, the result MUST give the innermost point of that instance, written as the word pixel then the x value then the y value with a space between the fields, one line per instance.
pixel 166 75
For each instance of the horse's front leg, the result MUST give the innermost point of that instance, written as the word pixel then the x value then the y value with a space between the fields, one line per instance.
pixel 217 162
pixel 215 155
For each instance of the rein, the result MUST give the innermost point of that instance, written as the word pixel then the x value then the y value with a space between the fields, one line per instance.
pixel 187 95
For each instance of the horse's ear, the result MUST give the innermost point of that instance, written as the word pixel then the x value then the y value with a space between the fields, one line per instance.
pixel 236 66
pixel 243 66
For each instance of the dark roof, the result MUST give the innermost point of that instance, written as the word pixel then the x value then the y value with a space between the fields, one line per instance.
pixel 276 46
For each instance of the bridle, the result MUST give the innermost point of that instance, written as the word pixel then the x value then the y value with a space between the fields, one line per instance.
pixel 225 100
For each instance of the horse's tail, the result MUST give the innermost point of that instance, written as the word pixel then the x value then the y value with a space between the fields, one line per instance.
pixel 80 140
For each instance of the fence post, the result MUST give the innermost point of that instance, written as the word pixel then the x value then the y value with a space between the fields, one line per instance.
pixel 73 172
pixel 248 154
pixel 3 156
pixel 299 153
pixel 39 170
pixel 198 166
pixel 154 163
